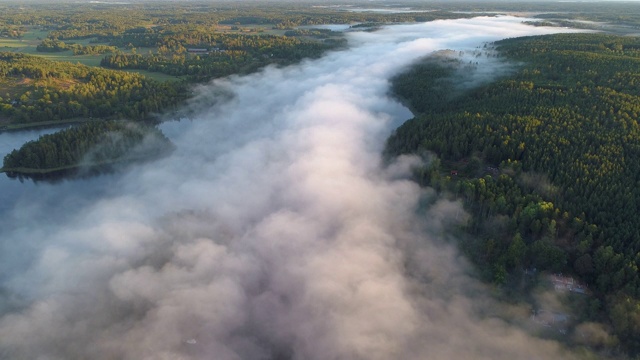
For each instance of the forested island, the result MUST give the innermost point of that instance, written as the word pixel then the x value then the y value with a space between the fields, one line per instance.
pixel 88 147
pixel 546 161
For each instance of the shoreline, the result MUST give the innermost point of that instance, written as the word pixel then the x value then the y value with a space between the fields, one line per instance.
pixel 45 124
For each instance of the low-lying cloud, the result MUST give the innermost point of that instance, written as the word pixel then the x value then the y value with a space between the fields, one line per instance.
pixel 272 232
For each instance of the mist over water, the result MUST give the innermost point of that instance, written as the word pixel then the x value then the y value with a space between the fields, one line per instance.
pixel 272 232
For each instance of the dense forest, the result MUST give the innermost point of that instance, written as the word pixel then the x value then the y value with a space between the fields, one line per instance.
pixel 202 54
pixel 546 161
pixel 88 145
pixel 37 90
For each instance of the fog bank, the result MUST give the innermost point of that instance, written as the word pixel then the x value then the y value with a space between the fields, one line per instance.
pixel 272 232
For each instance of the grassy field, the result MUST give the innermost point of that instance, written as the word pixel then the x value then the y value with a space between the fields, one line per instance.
pixel 12 87
pixel 251 29
pixel 156 75
pixel 33 37
pixel 89 60
pixel 11 43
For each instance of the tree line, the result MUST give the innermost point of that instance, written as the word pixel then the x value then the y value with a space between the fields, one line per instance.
pixel 48 45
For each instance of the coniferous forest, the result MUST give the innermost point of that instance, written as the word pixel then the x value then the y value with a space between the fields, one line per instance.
pixel 545 160
pixel 96 144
